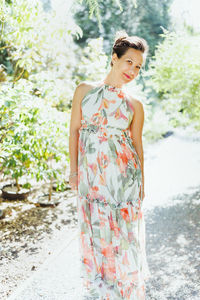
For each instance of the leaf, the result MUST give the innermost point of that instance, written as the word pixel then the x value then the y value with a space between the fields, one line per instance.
pixel 90 150
pixel 112 148
pixel 83 189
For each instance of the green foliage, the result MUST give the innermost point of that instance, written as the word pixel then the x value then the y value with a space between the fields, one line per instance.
pixel 144 19
pixel 33 137
pixel 94 8
pixel 175 75
pixel 93 62
pixel 37 40
pixel 40 67
pixel 156 121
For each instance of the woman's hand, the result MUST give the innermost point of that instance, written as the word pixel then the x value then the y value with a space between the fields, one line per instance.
pixel 73 182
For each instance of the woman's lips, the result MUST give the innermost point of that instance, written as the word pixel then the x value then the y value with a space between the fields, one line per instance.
pixel 127 76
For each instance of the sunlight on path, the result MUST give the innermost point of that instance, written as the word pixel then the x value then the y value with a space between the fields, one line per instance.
pixel 172 212
pixel 171 166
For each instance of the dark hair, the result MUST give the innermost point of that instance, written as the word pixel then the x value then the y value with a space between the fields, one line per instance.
pixel 123 42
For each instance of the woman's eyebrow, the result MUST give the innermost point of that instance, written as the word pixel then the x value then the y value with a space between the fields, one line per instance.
pixel 133 60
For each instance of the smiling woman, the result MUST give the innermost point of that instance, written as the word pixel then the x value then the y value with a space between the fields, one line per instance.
pixel 106 163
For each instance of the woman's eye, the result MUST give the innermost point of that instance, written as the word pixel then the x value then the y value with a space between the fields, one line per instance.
pixel 129 61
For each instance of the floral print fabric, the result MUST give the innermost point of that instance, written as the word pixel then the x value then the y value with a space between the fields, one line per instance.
pixel 109 202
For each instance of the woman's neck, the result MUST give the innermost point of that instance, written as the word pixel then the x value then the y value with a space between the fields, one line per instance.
pixel 112 80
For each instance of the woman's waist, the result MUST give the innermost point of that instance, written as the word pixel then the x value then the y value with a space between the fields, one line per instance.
pixel 103 129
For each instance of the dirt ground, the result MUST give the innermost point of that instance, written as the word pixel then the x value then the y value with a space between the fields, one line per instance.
pixel 29 234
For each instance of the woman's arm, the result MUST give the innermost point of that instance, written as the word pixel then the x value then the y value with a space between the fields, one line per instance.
pixel 75 124
pixel 136 128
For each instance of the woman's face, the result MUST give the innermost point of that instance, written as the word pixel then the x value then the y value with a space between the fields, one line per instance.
pixel 128 65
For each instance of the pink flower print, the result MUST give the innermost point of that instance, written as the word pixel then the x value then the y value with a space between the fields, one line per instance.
pixel 102 135
pixel 134 215
pixel 123 275
pixel 116 229
pixel 121 95
pixel 141 292
pixel 85 218
pixel 81 147
pixel 125 260
pixel 111 223
pixel 93 167
pixel 118 114
pixel 129 154
pixel 127 151
pixel 112 89
pixel 102 178
pixel 125 214
pixel 80 175
pixel 130 237
pixel 87 253
pixel 94 192
pixel 122 161
pixel 109 268
pixel 103 220
pixel 89 264
pixel 104 121
pixel 140 215
pixel 103 138
pixel 130 105
pixel 96 119
pixel 105 103
pixel 107 251
pixel 128 292
pixel 103 160
pixel 135 276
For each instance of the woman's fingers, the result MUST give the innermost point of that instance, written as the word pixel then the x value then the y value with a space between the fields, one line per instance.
pixel 73 183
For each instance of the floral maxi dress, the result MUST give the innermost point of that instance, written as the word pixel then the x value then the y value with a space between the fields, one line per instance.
pixel 109 205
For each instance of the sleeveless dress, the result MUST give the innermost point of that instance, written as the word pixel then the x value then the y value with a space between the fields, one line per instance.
pixel 111 223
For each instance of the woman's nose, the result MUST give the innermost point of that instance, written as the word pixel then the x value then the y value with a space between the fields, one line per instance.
pixel 132 72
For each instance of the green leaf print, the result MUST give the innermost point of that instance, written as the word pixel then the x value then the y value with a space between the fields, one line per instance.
pixel 108 236
pixel 99 95
pixel 85 163
pixel 138 173
pixel 90 148
pixel 123 181
pixel 96 223
pixel 104 113
pixel 83 189
pixel 124 244
pixel 112 190
pixel 129 119
pixel 112 148
pixel 90 92
pixel 84 227
pixel 120 195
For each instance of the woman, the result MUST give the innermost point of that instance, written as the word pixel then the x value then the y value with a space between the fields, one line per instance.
pixel 106 169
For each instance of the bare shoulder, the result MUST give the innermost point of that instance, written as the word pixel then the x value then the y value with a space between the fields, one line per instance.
pixel 83 88
pixel 137 106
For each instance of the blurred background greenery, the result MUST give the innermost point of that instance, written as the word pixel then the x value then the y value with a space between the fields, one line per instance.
pixel 47 47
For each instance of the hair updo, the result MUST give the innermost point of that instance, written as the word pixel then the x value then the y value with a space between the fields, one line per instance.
pixel 123 42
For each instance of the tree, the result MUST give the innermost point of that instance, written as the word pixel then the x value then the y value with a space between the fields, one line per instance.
pixel 175 75
pixel 144 20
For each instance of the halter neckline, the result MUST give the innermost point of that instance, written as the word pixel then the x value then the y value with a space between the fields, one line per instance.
pixel 113 88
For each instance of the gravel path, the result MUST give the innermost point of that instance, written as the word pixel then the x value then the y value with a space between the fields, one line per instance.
pixel 173 218
pixel 172 232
